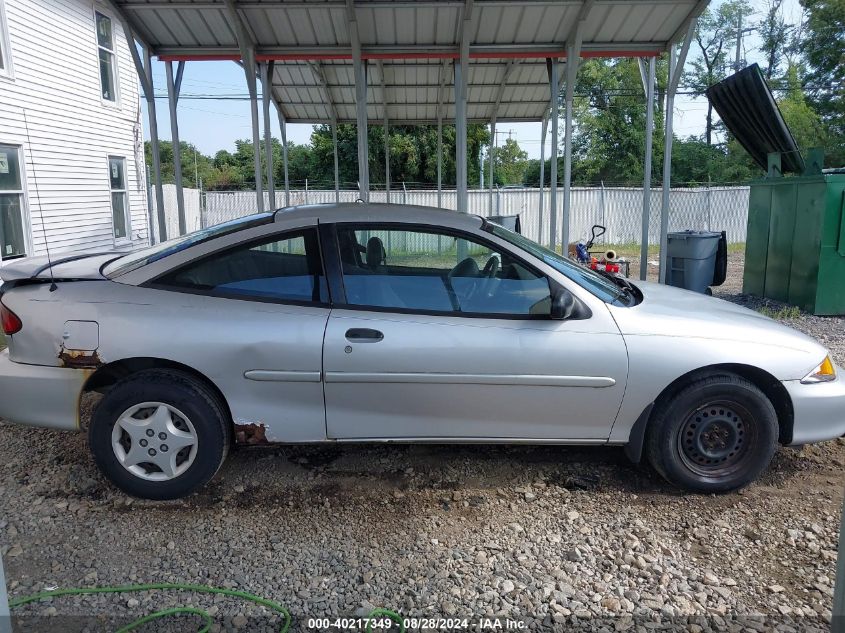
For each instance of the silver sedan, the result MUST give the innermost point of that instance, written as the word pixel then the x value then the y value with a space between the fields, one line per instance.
pixel 372 323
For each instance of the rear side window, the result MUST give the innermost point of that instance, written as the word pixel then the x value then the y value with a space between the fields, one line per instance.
pixel 283 268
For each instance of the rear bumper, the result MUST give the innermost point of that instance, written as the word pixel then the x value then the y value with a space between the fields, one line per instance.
pixel 819 410
pixel 40 396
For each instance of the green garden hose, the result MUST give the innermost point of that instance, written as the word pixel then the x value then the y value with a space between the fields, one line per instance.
pixel 206 617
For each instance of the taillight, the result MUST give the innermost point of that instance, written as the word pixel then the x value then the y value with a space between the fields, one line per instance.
pixel 11 323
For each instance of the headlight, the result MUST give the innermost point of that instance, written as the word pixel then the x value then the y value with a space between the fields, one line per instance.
pixel 825 372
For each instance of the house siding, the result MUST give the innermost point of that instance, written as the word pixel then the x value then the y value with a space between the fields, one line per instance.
pixel 72 131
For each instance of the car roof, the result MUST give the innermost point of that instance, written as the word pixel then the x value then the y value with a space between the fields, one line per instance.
pixel 379 212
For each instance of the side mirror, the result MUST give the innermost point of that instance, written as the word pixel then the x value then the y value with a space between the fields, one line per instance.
pixel 563 304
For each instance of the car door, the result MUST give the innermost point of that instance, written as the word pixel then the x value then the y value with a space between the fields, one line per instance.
pixel 446 336
pixel 250 317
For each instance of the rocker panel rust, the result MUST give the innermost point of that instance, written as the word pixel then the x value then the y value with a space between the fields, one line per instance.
pixel 76 359
pixel 251 434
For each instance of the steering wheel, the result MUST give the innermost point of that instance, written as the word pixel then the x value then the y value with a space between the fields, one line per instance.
pixel 488 276
pixel 491 267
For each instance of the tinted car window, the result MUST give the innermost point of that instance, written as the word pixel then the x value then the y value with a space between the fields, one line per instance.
pixel 428 270
pixel 144 256
pixel 581 275
pixel 284 268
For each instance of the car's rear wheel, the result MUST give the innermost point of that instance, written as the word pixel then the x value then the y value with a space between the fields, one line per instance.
pixel 716 434
pixel 159 434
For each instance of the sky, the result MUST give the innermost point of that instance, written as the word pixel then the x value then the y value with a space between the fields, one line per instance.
pixel 215 124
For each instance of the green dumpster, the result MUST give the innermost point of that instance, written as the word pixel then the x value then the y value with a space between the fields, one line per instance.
pixel 795 246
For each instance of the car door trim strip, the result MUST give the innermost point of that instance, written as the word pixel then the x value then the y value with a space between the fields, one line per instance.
pixel 272 375
pixel 470 379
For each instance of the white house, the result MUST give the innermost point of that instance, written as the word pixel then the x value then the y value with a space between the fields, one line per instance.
pixel 71 141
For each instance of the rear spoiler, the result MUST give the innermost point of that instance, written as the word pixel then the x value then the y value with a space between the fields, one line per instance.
pixel 64 260
pixel 34 268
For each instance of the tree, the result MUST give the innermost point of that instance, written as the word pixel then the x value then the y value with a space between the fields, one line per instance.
pixel 509 164
pixel 195 165
pixel 803 121
pixel 609 138
pixel 775 37
pixel 715 33
pixel 413 153
pixel 823 34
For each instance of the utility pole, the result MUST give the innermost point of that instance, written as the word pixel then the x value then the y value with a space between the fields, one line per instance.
pixel 738 59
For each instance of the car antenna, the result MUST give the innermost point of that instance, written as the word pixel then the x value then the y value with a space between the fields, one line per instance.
pixel 53 286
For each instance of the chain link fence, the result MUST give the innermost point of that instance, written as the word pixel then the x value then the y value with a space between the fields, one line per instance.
pixel 617 208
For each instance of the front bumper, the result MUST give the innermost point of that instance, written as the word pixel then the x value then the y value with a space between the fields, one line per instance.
pixel 40 396
pixel 819 410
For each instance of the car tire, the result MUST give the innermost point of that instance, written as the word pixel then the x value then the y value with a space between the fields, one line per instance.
pixel 716 434
pixel 159 434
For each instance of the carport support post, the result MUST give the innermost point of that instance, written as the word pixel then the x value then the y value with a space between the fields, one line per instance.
pixel 336 167
pixel 573 60
pixel 461 134
pixel 676 67
pixel 360 69
pixel 252 86
pixel 554 86
pixel 266 94
pixel 544 127
pixel 284 131
pixel 648 80
pixel 386 132
pixel 361 108
pixel 173 88
pixel 154 146
pixel 440 162
pixel 492 159
pixel 386 158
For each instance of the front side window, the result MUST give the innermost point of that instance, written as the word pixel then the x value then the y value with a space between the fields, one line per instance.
pixel 119 207
pixel 12 226
pixel 427 270
pixel 283 268
pixel 588 279
pixel 105 50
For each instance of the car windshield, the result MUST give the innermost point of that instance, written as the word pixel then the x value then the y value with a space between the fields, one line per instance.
pixel 590 280
pixel 145 256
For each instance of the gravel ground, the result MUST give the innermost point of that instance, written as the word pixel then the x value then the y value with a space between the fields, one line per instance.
pixel 553 538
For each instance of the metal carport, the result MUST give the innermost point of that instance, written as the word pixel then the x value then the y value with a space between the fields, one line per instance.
pixel 405 62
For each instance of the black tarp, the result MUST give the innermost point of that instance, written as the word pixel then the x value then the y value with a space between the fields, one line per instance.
pixel 749 111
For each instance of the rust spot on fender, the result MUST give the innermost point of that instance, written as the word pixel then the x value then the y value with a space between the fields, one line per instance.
pixel 77 359
pixel 251 434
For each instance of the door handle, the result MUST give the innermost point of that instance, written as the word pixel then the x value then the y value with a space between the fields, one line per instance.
pixel 363 334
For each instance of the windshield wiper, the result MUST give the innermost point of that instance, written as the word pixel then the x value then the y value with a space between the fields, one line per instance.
pixel 626 288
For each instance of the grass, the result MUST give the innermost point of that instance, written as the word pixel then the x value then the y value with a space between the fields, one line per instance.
pixel 632 250
pixel 783 314
pixel 2 342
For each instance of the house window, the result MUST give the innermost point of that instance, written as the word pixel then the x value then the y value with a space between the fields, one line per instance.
pixel 105 46
pixel 5 52
pixel 12 226
pixel 119 206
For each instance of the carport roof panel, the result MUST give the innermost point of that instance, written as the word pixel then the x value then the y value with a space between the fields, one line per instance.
pixel 310 42
pixel 412 91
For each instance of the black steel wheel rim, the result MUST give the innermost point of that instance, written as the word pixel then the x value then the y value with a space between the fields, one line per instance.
pixel 716 437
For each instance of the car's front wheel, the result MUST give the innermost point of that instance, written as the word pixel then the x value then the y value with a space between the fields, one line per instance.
pixel 716 434
pixel 159 434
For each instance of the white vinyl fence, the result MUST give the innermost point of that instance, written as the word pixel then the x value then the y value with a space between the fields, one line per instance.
pixel 193 210
pixel 617 208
